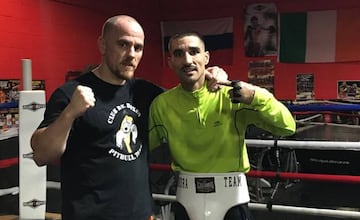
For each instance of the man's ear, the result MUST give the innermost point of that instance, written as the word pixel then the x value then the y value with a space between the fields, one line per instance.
pixel 207 57
pixel 169 62
pixel 101 45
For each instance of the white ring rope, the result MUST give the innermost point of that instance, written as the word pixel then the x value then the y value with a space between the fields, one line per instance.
pixel 326 123
pixel 260 206
pixel 310 145
pixel 308 118
pixel 307 102
pixel 283 208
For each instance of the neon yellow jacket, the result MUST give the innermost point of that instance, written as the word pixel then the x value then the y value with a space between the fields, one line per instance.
pixel 206 131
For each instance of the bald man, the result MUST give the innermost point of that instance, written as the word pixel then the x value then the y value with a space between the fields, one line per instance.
pixel 87 118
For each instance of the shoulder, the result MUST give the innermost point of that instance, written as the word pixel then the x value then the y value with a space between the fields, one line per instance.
pixel 69 86
pixel 169 96
pixel 87 79
pixel 81 80
pixel 145 88
pixel 145 84
pixel 65 90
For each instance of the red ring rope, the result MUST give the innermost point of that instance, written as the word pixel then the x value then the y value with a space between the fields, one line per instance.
pixel 9 162
pixel 327 112
pixel 284 175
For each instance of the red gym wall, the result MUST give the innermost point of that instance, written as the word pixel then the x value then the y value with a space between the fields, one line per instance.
pixel 60 36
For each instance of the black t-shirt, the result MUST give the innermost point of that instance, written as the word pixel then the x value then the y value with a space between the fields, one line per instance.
pixel 104 169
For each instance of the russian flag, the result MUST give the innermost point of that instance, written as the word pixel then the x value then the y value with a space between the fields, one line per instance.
pixel 217 33
pixel 320 36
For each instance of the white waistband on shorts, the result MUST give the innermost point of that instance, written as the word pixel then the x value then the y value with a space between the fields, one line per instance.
pixel 231 187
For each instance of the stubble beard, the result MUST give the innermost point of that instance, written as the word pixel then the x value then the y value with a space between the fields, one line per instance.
pixel 123 75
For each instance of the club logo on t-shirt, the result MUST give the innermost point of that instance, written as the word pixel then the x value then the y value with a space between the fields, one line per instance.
pixel 128 147
pixel 127 134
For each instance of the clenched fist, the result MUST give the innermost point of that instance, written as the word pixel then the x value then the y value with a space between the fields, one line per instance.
pixel 82 99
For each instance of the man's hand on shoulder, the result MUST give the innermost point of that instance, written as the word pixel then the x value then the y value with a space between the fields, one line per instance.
pixel 216 77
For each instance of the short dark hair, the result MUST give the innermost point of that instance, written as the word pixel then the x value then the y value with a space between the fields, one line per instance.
pixel 254 18
pixel 185 34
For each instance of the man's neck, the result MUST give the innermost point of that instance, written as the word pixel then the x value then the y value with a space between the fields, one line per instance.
pixel 105 74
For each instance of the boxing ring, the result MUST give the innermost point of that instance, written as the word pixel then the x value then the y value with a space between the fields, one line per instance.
pixel 325 149
pixel 324 129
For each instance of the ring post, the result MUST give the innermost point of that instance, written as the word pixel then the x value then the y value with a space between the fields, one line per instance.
pixel 32 179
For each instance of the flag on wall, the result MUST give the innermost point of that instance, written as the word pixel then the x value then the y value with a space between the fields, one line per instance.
pixel 217 33
pixel 320 36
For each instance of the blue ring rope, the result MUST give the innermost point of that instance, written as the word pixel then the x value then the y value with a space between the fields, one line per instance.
pixel 324 107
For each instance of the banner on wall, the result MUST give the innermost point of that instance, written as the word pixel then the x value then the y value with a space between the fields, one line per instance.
pixel 217 33
pixel 261 73
pixel 304 86
pixel 260 28
pixel 320 36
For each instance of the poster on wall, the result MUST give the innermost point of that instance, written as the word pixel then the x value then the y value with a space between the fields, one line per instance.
pixel 348 89
pixel 9 116
pixel 260 30
pixel 305 86
pixel 9 100
pixel 38 84
pixel 261 73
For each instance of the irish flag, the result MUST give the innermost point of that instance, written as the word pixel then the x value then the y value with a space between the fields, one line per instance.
pixel 320 36
pixel 217 33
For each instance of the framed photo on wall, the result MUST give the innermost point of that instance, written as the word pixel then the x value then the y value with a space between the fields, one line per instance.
pixel 38 84
pixel 348 89
pixel 305 86
pixel 261 73
pixel 260 30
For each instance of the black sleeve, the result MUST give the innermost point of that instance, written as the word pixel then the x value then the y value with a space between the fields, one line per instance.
pixel 56 104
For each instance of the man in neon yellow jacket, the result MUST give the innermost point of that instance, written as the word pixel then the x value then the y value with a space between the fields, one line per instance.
pixel 206 132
